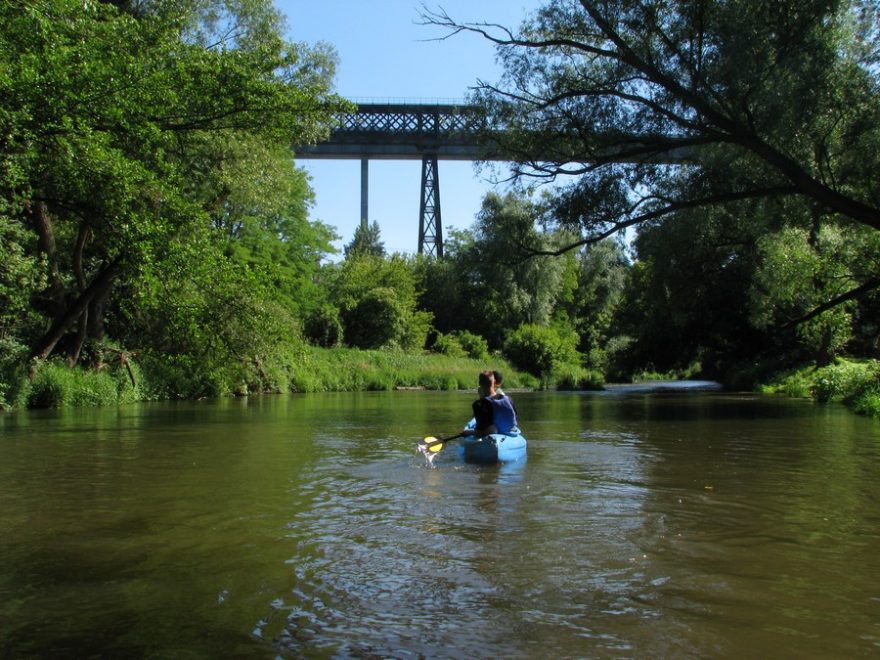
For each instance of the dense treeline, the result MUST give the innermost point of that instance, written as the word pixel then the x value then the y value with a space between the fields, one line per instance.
pixel 716 207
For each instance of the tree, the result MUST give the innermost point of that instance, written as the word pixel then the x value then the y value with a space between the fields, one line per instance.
pixel 799 272
pixel 377 302
pixel 602 271
pixel 653 108
pixel 497 289
pixel 119 128
pixel 366 241
pixel 686 299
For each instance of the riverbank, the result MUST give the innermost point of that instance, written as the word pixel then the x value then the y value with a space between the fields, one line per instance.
pixel 854 383
pixel 52 384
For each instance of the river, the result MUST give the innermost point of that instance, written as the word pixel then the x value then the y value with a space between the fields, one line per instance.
pixel 642 524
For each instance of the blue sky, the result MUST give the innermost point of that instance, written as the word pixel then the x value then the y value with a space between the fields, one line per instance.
pixel 384 55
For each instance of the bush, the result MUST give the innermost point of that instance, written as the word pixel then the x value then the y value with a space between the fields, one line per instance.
pixel 867 403
pixel 571 377
pixel 844 381
pixel 474 345
pixel 13 357
pixel 449 345
pixel 540 350
pixel 323 327
pixel 856 384
pixel 414 330
pixel 374 321
pixel 55 385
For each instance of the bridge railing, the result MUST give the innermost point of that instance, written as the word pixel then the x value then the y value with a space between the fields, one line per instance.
pixel 410 119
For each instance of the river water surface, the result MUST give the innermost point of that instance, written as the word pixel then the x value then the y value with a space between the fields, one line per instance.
pixel 689 524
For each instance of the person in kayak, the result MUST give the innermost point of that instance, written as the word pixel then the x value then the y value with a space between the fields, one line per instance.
pixel 493 413
pixel 499 394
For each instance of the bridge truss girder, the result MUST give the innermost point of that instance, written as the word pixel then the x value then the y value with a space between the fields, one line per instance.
pixel 430 222
pixel 407 132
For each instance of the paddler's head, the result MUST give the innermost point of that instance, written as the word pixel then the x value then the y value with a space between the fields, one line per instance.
pixel 486 384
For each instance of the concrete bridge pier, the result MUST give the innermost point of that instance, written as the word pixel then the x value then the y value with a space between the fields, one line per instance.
pixel 365 193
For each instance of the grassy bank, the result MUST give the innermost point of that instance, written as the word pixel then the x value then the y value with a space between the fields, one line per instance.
pixel 52 384
pixel 347 369
pixel 854 383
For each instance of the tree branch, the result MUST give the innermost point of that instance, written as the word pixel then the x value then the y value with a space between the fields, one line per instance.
pixel 670 208
pixel 868 286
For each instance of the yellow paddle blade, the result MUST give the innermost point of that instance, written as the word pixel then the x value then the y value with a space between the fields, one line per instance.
pixel 432 448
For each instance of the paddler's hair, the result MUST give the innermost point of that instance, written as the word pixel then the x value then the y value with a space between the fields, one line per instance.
pixel 487 379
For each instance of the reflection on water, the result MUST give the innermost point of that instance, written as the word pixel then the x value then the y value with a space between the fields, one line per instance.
pixel 641 524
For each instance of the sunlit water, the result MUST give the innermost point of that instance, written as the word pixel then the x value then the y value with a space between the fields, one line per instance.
pixel 640 525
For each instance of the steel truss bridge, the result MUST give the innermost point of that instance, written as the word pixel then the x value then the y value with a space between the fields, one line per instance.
pixel 406 131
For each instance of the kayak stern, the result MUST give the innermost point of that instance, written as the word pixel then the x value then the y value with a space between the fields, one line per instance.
pixel 493 448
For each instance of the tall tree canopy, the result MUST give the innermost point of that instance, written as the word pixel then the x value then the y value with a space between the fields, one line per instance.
pixel 749 114
pixel 759 99
pixel 130 129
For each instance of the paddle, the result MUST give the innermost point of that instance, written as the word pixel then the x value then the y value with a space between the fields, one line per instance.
pixel 434 445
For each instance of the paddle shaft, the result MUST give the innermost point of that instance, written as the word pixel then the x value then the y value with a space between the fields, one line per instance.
pixel 442 440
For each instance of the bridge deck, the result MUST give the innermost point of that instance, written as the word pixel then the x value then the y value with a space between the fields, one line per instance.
pixel 404 132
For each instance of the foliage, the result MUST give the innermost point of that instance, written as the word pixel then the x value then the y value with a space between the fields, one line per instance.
pixel 366 241
pixel 21 273
pixel 686 297
pixel 801 271
pixel 474 346
pixel 486 283
pixel 127 133
pixel 374 320
pixel 855 383
pixel 600 275
pixel 462 344
pixel 539 349
pixel 323 327
pixel 56 385
pixel 572 377
pixel 377 301
pixel 449 345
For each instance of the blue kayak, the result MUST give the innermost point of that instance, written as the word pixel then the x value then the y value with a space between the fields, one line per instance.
pixel 493 448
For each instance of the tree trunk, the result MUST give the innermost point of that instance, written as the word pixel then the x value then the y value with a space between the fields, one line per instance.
pixel 53 296
pixel 99 286
pixel 76 349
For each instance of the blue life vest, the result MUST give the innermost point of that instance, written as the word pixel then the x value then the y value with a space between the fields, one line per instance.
pixel 504 414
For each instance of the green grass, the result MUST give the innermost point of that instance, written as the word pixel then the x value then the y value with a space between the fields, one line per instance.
pixel 572 377
pixel 854 383
pixel 346 369
pixel 55 385
pixel 306 369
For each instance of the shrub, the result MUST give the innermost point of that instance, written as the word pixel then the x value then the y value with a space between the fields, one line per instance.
pixel 570 377
pixel 449 345
pixel 856 384
pixel 324 327
pixel 540 349
pixel 844 380
pixel 474 345
pixel 867 403
pixel 415 326
pixel 55 385
pixel 374 321
pixel 13 379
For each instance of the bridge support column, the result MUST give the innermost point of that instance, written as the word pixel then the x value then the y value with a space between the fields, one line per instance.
pixel 430 225
pixel 365 192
